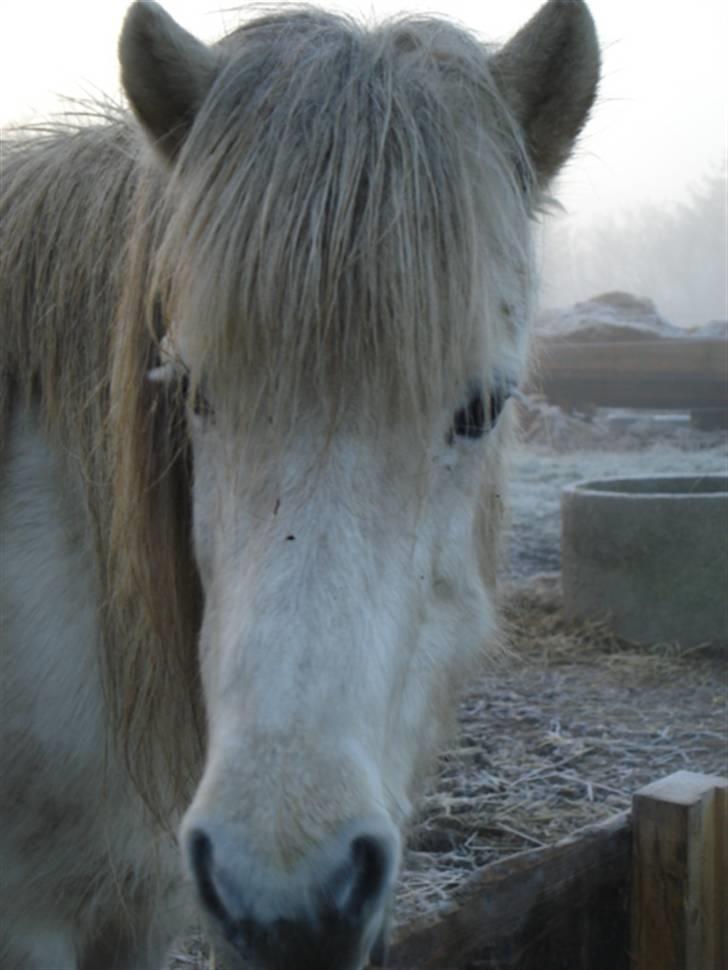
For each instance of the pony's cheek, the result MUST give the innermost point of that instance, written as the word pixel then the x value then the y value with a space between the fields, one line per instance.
pixel 204 543
pixel 203 540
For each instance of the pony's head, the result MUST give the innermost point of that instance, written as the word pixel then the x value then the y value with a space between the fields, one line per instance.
pixel 344 280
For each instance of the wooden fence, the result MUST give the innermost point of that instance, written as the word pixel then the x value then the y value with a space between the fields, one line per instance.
pixel 646 890
pixel 689 374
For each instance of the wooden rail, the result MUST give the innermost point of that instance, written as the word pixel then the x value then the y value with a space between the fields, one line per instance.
pixel 537 911
pixel 670 374
pixel 642 891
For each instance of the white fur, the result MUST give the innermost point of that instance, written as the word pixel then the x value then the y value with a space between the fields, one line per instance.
pixel 73 838
pixel 343 607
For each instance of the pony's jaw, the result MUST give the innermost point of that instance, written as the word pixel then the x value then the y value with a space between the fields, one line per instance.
pixel 341 612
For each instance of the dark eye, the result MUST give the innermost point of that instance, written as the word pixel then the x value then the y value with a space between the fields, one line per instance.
pixel 480 414
pixel 470 421
pixel 199 406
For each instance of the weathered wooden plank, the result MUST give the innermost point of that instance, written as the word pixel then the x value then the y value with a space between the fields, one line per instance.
pixel 661 374
pixel 680 859
pixel 565 907
pixel 709 419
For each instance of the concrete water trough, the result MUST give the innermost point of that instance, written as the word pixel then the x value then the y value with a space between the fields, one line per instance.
pixel 650 554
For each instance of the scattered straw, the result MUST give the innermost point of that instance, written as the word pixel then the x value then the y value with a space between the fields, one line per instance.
pixel 559 738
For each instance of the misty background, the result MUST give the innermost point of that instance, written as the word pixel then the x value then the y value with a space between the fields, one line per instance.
pixel 674 254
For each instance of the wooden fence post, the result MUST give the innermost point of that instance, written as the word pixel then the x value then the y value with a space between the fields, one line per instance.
pixel 680 874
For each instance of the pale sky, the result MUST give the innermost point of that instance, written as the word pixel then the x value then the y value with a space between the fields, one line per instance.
pixel 660 125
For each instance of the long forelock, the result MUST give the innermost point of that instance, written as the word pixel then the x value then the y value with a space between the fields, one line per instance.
pixel 345 218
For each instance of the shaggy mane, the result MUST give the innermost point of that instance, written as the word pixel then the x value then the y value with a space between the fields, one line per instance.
pixel 346 213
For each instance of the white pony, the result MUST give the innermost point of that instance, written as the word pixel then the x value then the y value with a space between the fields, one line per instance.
pixel 256 345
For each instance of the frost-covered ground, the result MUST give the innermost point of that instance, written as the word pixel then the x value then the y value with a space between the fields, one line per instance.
pixel 539 473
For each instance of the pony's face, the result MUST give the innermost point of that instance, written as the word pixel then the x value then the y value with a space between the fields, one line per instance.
pixel 344 604
pixel 347 575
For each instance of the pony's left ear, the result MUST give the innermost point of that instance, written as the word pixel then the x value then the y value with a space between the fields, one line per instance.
pixel 548 74
pixel 166 73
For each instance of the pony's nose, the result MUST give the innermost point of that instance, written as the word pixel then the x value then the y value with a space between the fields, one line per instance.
pixel 330 913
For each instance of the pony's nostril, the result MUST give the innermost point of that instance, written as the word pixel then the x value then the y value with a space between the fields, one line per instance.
pixel 371 864
pixel 201 859
pixel 361 883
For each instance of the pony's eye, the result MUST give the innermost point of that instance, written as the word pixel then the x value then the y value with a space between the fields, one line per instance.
pixel 199 405
pixel 469 421
pixel 480 414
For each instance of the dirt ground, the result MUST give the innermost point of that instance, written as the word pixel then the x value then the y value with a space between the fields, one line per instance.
pixel 561 731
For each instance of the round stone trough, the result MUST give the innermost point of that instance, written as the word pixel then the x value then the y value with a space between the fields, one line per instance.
pixel 649 554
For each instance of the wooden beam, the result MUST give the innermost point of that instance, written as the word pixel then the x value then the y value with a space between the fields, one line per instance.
pixel 680 859
pixel 674 374
pixel 565 907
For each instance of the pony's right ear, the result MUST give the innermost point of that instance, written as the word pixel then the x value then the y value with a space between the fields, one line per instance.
pixel 166 73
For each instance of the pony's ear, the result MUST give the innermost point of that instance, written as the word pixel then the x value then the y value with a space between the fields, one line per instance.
pixel 548 74
pixel 166 73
